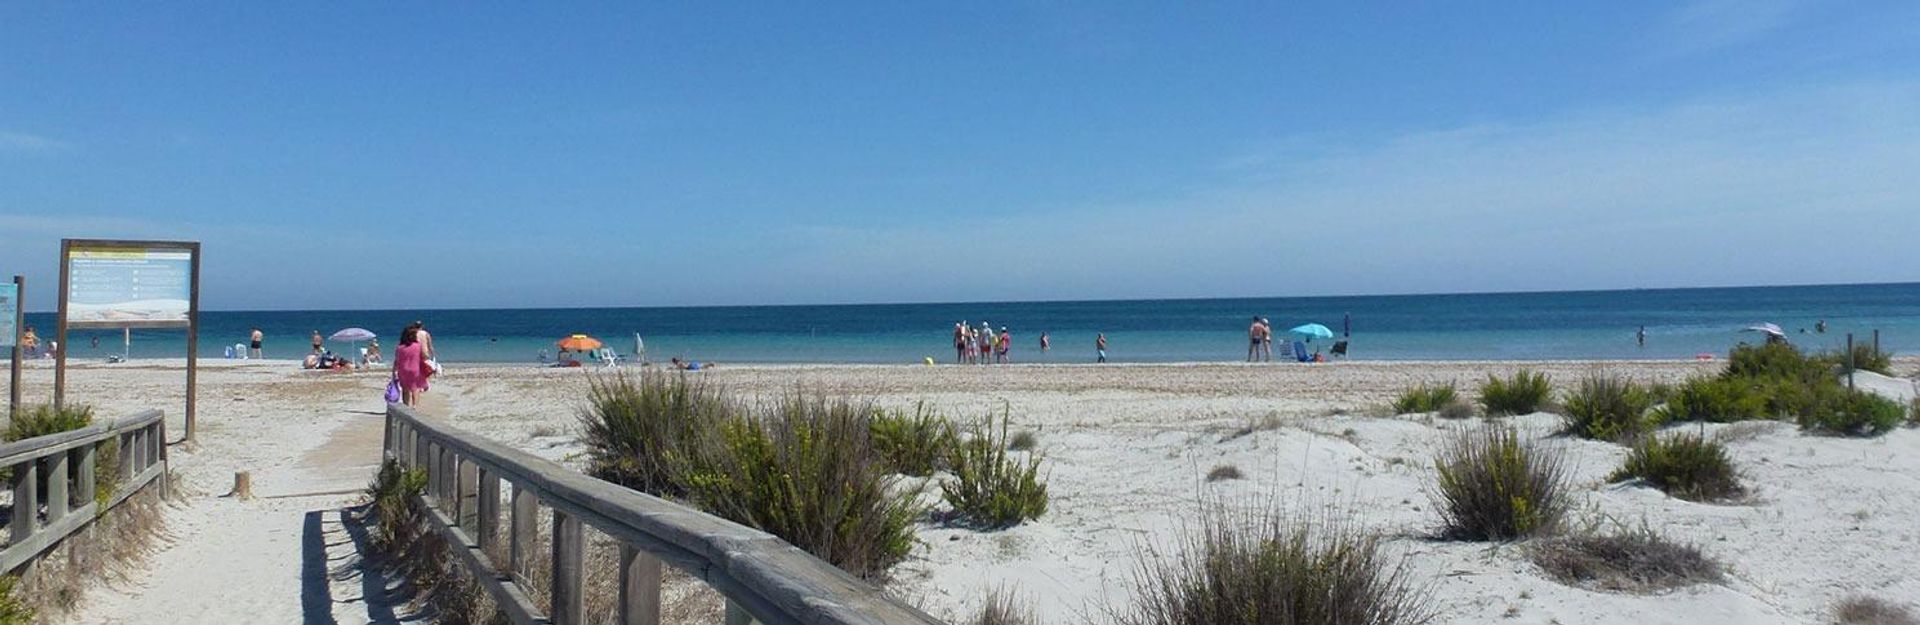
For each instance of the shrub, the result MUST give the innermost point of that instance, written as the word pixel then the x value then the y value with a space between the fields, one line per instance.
pixel 1720 400
pixel 1259 569
pixel 1003 607
pixel 1627 561
pixel 1522 393
pixel 806 470
pixel 44 419
pixel 1854 414
pixel 1424 398
pixel 1687 466
pixel 640 432
pixel 1493 486
pixel 990 489
pixel 13 611
pixel 914 444
pixel 1456 409
pixel 1606 407
pixel 1865 358
pixel 1864 610
pixel 391 498
pixel 1775 360
pixel 1224 472
pixel 1023 440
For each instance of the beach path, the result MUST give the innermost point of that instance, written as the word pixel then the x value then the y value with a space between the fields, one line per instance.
pixel 293 553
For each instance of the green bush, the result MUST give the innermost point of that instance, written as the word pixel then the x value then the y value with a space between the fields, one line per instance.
pixel 391 498
pixel 1493 486
pixel 641 432
pixel 1524 392
pixel 915 444
pixel 1775 360
pixel 1865 358
pixel 806 469
pixel 1606 407
pixel 1686 466
pixel 44 419
pixel 1425 398
pixel 13 610
pixel 1854 414
pixel 1718 399
pixel 991 489
pixel 1261 569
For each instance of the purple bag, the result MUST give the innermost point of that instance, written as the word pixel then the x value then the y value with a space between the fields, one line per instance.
pixel 393 391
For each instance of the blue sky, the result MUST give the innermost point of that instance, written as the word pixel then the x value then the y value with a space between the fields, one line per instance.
pixel 374 155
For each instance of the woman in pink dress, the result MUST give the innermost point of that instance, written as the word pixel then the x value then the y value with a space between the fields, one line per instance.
pixel 410 366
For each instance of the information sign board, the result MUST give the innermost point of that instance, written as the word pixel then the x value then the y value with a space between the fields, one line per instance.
pixel 114 286
pixel 9 310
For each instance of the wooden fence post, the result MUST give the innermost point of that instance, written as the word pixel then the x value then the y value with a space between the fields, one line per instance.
pixel 569 603
pixel 639 587
pixel 85 478
pixel 526 508
pixel 26 504
pixel 488 528
pixel 57 479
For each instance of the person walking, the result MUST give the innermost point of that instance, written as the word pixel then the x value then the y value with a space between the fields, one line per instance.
pixel 410 366
pixel 1100 347
pixel 253 344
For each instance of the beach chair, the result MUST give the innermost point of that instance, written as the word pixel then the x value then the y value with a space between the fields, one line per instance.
pixel 608 357
pixel 1300 352
pixel 1340 348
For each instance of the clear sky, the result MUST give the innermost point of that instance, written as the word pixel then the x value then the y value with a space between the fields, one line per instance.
pixel 407 155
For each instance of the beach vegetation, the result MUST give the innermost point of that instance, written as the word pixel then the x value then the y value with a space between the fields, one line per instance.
pixel 390 497
pixel 1607 407
pixel 1852 413
pixel 805 468
pixel 1775 360
pixel 643 431
pixel 1457 409
pixel 1023 440
pixel 1260 567
pixel 1492 485
pixel 1002 607
pixel 1524 392
pixel 1687 466
pixel 13 611
pixel 990 488
pixel 44 419
pixel 913 444
pixel 1867 610
pixel 1224 472
pixel 1425 398
pixel 1631 560
pixel 1716 399
pixel 1865 358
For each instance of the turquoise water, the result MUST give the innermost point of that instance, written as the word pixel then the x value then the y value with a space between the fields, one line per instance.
pixel 1576 325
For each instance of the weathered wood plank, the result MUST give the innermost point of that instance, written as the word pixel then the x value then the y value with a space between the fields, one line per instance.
pixel 488 529
pixel 526 511
pixel 512 601
pixel 640 577
pixel 569 571
pixel 57 480
pixel 26 500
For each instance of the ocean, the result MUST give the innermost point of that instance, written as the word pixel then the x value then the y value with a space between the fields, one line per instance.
pixel 1680 323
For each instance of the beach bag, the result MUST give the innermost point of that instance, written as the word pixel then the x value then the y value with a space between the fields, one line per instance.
pixel 393 391
pixel 433 366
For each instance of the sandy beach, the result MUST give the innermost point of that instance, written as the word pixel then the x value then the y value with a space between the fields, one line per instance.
pixel 1126 450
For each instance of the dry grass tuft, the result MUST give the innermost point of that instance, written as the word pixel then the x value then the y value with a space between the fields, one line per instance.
pixel 1004 607
pixel 1259 568
pixel 1224 472
pixel 1494 486
pixel 113 546
pixel 1023 440
pixel 1865 610
pixel 1634 561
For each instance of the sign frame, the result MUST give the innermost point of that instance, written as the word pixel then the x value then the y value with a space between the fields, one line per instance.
pixel 192 248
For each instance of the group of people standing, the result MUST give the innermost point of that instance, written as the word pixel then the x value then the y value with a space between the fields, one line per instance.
pixel 982 346
pixel 1260 340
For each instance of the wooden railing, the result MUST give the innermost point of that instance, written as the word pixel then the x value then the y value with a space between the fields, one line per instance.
pixel 763 578
pixel 63 466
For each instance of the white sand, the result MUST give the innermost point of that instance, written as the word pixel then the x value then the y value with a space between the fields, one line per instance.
pixel 1126 447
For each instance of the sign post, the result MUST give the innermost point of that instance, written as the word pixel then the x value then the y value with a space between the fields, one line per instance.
pixel 130 284
pixel 11 311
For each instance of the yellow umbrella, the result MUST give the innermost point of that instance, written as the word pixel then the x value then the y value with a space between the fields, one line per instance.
pixel 579 343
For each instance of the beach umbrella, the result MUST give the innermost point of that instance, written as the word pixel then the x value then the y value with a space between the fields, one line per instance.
pixel 1767 328
pixel 352 335
pixel 1313 330
pixel 579 343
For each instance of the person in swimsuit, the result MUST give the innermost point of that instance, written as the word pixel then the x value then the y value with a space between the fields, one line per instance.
pixel 1045 343
pixel 960 342
pixel 316 341
pixel 1253 340
pixel 1266 339
pixel 253 346
pixel 1100 347
pixel 1006 344
pixel 29 342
